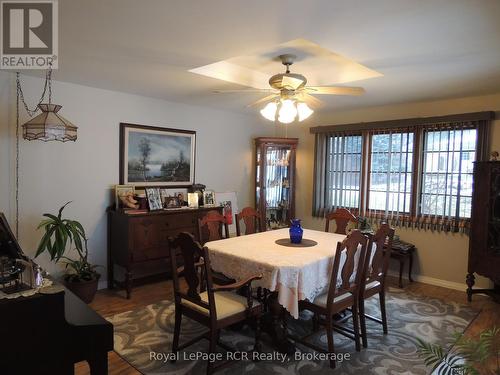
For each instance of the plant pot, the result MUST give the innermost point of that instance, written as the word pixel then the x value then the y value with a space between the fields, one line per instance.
pixel 85 290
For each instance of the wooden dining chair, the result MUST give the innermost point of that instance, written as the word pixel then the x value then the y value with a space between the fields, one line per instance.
pixel 251 218
pixel 342 218
pixel 374 273
pixel 343 293
pixel 211 227
pixel 217 307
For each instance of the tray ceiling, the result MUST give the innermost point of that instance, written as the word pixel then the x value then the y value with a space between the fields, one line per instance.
pixel 423 50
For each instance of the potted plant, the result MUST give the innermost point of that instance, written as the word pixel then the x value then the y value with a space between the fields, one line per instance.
pixel 467 356
pixel 61 234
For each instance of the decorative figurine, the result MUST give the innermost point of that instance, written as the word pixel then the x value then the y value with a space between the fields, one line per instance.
pixel 128 200
pixel 494 156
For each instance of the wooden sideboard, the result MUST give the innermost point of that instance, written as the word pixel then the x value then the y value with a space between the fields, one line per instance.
pixel 138 242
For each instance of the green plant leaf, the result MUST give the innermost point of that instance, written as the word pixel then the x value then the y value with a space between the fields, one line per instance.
pixel 62 208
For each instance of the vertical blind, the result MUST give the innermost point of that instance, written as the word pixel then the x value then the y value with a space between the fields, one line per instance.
pixel 418 175
pixel 340 156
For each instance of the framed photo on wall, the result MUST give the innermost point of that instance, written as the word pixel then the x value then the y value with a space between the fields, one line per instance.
pixel 154 156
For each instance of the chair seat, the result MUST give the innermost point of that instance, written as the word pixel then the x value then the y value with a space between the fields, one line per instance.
pixel 322 299
pixel 226 304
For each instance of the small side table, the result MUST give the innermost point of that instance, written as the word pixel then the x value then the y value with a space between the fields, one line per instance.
pixel 402 251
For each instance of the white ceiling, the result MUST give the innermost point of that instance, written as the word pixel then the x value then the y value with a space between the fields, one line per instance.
pixel 425 49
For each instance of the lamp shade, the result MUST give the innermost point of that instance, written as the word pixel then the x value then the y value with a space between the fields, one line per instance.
pixel 269 111
pixel 49 126
pixel 304 111
pixel 287 112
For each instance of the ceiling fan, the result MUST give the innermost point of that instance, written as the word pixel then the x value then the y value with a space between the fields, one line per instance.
pixel 290 96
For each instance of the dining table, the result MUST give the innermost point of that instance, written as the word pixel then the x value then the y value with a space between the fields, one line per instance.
pixel 290 272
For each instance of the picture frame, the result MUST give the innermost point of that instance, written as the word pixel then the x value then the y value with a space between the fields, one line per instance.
pixel 153 156
pixel 209 198
pixel 181 197
pixel 229 201
pixel 193 200
pixel 121 191
pixel 154 199
pixel 172 202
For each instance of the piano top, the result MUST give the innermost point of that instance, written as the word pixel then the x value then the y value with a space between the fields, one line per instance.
pixel 8 243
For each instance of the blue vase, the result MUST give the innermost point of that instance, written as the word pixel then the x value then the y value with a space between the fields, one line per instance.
pixel 296 231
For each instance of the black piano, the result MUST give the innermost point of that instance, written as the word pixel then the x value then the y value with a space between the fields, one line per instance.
pixel 48 333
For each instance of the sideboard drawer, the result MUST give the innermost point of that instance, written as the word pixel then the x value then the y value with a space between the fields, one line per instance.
pixel 151 253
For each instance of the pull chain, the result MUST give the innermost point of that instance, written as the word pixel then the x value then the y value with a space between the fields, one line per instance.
pixel 17 157
pixel 31 113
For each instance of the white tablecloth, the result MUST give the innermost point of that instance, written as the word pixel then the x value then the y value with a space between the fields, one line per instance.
pixel 296 273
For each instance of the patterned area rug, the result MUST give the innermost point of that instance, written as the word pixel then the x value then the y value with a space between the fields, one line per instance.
pixel 143 338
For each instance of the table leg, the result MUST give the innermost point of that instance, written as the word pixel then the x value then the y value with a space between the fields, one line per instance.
pixel 110 274
pixel 274 325
pixel 470 283
pixel 128 282
pixel 401 266
pixel 410 266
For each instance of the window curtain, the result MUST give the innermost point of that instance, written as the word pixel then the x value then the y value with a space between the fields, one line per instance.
pixel 446 176
pixel 390 176
pixel 407 172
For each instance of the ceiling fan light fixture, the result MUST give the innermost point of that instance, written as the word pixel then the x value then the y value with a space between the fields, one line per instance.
pixel 269 111
pixel 304 111
pixel 287 112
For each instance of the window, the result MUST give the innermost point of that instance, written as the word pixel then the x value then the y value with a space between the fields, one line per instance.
pixel 391 172
pixel 344 170
pixel 412 172
pixel 448 157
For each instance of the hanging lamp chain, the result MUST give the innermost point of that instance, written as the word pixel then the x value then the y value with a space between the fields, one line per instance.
pixel 47 87
pixel 31 112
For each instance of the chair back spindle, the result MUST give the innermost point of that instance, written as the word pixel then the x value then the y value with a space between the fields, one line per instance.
pixel 210 227
pixel 353 248
pixel 378 254
pixel 193 255
pixel 251 219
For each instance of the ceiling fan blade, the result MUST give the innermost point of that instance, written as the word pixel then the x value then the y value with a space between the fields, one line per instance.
pixel 263 100
pixel 243 90
pixel 334 90
pixel 309 99
pixel 291 82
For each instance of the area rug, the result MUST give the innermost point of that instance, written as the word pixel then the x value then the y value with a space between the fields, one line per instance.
pixel 143 338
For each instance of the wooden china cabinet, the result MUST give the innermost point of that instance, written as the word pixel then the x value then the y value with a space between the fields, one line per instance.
pixel 275 180
pixel 484 241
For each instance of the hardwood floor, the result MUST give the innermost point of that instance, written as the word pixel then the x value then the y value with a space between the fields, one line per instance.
pixel 110 302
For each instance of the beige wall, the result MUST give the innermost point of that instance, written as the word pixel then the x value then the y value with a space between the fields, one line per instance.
pixel 442 258
pixel 84 172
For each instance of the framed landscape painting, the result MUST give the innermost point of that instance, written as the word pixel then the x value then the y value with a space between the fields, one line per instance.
pixel 154 156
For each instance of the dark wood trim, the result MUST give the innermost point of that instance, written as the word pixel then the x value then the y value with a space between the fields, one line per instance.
pixel 402 123
pixel 417 165
pixel 278 141
pixel 124 125
pixel 366 173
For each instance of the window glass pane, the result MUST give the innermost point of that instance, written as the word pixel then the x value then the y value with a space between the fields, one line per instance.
pixel 344 171
pixel 390 172
pixel 448 157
